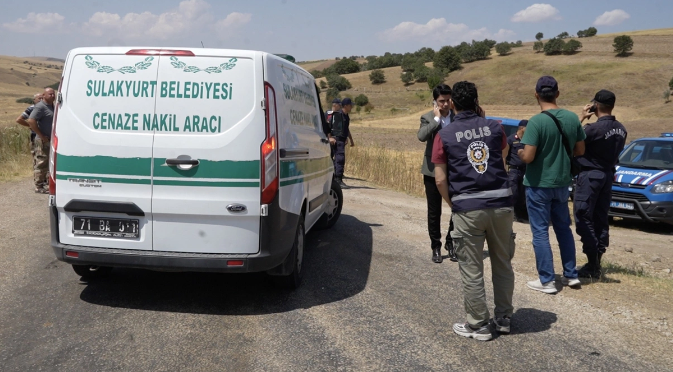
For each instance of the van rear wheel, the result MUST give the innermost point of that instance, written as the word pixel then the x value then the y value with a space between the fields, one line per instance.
pixel 293 280
pixel 91 271
pixel 334 206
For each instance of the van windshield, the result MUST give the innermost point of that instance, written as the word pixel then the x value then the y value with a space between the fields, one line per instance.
pixel 651 154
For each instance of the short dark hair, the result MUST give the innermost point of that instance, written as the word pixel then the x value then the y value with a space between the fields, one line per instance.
pixel 603 107
pixel 465 96
pixel 547 95
pixel 441 90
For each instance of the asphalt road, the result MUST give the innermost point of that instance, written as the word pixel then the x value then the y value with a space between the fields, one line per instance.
pixel 371 301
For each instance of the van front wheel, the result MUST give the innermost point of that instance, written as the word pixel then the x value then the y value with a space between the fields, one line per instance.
pixel 293 280
pixel 334 205
pixel 92 272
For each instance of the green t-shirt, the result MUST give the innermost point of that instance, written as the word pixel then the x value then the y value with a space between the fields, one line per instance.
pixel 551 167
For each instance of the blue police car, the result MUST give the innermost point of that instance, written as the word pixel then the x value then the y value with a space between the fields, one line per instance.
pixel 509 125
pixel 643 184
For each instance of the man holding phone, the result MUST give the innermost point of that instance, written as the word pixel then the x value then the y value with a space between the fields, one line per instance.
pixel 440 116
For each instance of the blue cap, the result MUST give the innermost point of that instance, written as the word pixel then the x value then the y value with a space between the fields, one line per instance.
pixel 336 100
pixel 523 123
pixel 346 101
pixel 546 83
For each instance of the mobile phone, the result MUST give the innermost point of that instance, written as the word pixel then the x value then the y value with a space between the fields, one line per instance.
pixel 434 103
pixel 592 109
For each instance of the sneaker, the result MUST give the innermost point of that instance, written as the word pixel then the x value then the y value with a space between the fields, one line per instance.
pixel 545 288
pixel 571 282
pixel 481 334
pixel 502 324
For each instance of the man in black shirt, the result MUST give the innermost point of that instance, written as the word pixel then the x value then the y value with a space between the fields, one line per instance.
pixel 605 141
pixel 339 134
pixel 517 169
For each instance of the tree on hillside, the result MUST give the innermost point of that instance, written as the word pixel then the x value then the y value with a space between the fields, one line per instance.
pixel 488 42
pixel 503 48
pixel 425 54
pixel 572 46
pixel 421 73
pixel 539 36
pixel 447 59
pixel 377 77
pixel 670 84
pixel 623 45
pixel 589 32
pixel 482 49
pixel 346 66
pixel 409 63
pixel 407 78
pixel 331 94
pixel 554 46
pixel 317 74
pixel 563 35
pixel 338 82
pixel 361 100
pixel 323 84
pixel 436 77
pixel 538 46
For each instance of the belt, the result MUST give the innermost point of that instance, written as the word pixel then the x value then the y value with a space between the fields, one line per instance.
pixel 502 193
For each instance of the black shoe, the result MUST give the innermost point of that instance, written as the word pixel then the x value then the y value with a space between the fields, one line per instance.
pixel 452 251
pixel 592 269
pixel 437 255
pixel 341 183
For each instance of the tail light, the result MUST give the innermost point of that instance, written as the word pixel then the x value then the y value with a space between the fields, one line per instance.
pixel 269 148
pixel 54 142
pixel 160 52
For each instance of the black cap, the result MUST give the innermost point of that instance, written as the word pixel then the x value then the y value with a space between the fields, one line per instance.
pixel 523 123
pixel 336 100
pixel 605 97
pixel 346 101
pixel 546 84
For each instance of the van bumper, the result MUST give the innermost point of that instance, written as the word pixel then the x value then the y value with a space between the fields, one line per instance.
pixel 277 237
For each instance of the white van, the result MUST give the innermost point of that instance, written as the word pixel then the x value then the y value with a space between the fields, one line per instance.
pixel 188 160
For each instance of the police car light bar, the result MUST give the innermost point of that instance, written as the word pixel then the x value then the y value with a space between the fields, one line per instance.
pixel 159 52
pixel 669 135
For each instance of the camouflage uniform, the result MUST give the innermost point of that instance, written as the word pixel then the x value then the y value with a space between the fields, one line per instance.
pixel 40 152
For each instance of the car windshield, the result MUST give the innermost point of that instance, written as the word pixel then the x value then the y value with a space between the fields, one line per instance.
pixel 648 154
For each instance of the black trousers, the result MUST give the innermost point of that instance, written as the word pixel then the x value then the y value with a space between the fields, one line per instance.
pixel 435 202
pixel 593 194
pixel 518 192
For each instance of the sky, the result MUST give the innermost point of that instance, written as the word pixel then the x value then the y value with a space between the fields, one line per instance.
pixel 308 30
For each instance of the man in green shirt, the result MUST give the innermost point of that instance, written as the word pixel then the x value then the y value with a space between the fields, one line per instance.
pixel 547 179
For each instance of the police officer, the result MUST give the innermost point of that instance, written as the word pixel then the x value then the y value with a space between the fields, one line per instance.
pixel 517 169
pixel 469 157
pixel 336 107
pixel 605 141
pixel 339 134
pixel 431 123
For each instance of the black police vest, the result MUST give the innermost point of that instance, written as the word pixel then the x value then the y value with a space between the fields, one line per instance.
pixel 477 176
pixel 339 124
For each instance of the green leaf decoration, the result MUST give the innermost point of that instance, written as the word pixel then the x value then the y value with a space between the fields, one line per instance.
pixel 143 65
pixel 192 69
pixel 210 70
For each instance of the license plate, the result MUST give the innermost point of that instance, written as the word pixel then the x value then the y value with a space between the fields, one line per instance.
pixel 106 227
pixel 621 205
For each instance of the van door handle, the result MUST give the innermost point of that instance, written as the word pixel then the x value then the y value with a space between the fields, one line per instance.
pixel 182 162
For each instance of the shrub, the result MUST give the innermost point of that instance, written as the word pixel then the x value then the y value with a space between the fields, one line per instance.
pixel 361 100
pixel 407 77
pixel 377 77
pixel 538 46
pixel 436 77
pixel 447 59
pixel 563 35
pixel 572 46
pixel 409 63
pixel 539 36
pixel 667 95
pixel 503 48
pixel 489 43
pixel 338 82
pixel 358 109
pixel 369 107
pixel 554 46
pixel 323 84
pixel 346 66
pixel 53 86
pixel 317 74
pixel 670 84
pixel 518 44
pixel 623 45
pixel 331 94
pixel 589 32
pixel 28 100
pixel 425 54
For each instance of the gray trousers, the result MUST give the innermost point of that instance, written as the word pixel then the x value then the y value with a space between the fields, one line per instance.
pixel 472 229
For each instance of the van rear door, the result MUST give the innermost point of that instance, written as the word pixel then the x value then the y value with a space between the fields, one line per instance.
pixel 104 157
pixel 209 125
